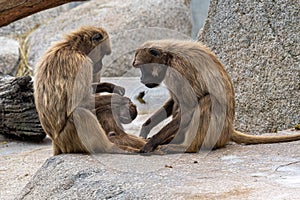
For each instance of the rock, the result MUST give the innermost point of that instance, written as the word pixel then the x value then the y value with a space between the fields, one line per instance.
pixel 258 42
pixel 177 176
pixel 129 23
pixel 18 115
pixel 9 56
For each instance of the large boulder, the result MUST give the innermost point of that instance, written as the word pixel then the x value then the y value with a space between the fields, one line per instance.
pixel 219 174
pixel 258 41
pixel 129 23
pixel 9 56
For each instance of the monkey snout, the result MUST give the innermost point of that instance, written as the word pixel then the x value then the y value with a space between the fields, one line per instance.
pixel 151 85
pixel 128 114
pixel 133 111
pixel 135 64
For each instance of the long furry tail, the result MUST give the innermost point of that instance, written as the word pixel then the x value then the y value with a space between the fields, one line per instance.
pixel 240 138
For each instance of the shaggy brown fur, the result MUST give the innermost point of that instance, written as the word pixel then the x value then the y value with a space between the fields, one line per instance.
pixel 202 98
pixel 63 94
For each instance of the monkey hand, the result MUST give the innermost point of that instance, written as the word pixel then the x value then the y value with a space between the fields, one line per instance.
pixel 148 147
pixel 119 90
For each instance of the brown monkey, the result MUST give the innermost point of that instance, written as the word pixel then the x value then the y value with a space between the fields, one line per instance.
pixel 113 111
pixel 202 98
pixel 63 96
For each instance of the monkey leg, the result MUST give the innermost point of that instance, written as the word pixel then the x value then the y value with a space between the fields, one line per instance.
pixel 108 87
pixel 184 131
pixel 56 149
pixel 67 140
pixel 91 134
pixel 163 113
pixel 129 149
pixel 164 136
pixel 213 128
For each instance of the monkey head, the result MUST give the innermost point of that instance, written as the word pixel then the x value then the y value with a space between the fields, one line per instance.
pixel 153 63
pixel 126 110
pixel 93 42
pixel 118 107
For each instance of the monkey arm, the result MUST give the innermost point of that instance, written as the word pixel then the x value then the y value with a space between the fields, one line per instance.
pixel 164 136
pixel 79 93
pixel 108 87
pixel 163 113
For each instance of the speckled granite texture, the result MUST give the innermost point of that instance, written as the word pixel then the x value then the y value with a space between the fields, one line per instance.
pixel 258 42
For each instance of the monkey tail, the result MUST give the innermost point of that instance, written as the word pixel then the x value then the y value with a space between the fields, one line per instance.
pixel 240 138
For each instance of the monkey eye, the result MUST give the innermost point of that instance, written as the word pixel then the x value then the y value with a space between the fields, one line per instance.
pixel 111 134
pixel 97 37
pixel 154 52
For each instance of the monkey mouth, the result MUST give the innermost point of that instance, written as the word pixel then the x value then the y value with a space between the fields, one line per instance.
pixel 151 85
pixel 97 66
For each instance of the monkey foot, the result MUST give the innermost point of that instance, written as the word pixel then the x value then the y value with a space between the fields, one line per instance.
pixel 173 148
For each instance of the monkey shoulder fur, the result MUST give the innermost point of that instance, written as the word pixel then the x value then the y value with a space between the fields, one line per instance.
pixel 63 93
pixel 202 98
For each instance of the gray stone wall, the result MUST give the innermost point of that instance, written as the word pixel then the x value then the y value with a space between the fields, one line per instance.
pixel 258 42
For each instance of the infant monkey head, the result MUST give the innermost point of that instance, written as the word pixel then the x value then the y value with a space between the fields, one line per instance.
pixel 153 63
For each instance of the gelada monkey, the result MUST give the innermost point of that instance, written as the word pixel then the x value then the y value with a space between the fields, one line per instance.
pixel 202 98
pixel 113 111
pixel 63 96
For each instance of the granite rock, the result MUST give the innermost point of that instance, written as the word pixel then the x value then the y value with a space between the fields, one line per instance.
pixel 129 24
pixel 258 42
pixel 236 172
pixel 9 56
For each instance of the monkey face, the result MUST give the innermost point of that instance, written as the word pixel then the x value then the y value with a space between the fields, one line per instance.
pixel 115 107
pixel 101 48
pixel 93 42
pixel 127 112
pixel 153 64
pixel 123 109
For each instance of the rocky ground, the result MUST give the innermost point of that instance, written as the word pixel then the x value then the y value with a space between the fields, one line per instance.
pixel 268 171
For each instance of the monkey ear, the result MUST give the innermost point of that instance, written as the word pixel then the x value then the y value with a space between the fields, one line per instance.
pixel 169 59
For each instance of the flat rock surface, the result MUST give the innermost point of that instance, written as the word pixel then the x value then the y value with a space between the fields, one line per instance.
pixel 270 171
